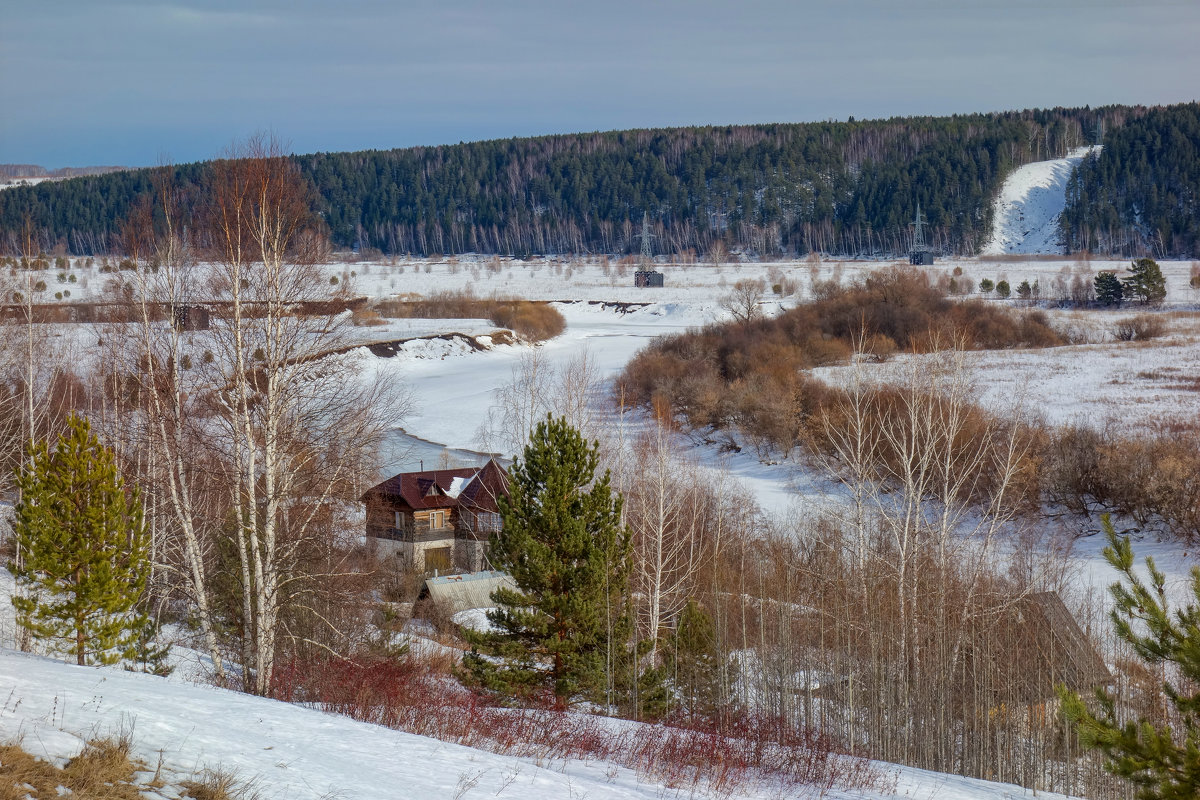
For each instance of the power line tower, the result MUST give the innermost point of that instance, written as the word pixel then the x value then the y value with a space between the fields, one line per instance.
pixel 646 236
pixel 920 252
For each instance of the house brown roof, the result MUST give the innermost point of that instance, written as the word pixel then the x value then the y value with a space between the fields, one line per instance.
pixel 471 487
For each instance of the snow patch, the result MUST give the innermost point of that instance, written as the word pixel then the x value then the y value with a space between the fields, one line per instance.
pixel 1031 201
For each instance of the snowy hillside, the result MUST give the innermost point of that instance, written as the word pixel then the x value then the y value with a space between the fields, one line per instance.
pixel 297 753
pixel 1029 205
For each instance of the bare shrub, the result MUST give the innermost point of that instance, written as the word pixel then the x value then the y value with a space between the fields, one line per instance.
pixel 1152 477
pixel 1140 328
pixel 744 302
pixel 366 318
pixel 534 322
pixel 722 757
pixel 531 320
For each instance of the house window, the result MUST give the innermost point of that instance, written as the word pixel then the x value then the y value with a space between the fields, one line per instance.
pixel 398 523
pixel 437 519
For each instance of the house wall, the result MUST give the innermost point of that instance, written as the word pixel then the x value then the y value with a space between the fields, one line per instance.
pixel 469 553
pixel 413 554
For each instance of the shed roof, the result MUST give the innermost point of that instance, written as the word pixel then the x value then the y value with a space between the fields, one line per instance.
pixel 460 592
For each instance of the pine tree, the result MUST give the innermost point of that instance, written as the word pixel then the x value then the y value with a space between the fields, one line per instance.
pixel 1145 282
pixel 1162 760
pixel 84 559
pixel 696 664
pixel 1108 289
pixel 563 543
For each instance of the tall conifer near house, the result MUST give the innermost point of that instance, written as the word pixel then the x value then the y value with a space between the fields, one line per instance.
pixel 568 553
pixel 84 547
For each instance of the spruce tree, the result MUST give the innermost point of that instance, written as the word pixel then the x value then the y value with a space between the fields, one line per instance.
pixel 1145 282
pixel 83 547
pixel 1108 289
pixel 563 543
pixel 1160 757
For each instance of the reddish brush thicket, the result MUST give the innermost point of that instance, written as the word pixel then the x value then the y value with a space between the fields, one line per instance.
pixel 415 697
pixel 750 375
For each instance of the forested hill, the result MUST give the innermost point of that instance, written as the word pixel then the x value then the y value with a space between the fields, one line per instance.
pixel 1141 193
pixel 838 187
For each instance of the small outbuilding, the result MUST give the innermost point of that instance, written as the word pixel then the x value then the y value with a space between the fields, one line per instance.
pixel 456 593
pixel 644 278
pixel 189 318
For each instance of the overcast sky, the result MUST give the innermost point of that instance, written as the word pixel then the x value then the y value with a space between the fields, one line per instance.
pixel 86 82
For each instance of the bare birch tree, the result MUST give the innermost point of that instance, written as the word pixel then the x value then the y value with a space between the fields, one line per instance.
pixel 294 426
pixel 170 427
pixel 664 508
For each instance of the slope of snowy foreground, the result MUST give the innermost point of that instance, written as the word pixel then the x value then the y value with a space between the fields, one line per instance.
pixel 1029 205
pixel 297 753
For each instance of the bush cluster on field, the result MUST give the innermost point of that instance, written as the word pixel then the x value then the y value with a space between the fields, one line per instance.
pixel 751 377
pixel 532 321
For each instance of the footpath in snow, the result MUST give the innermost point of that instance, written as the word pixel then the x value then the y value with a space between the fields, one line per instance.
pixel 1026 213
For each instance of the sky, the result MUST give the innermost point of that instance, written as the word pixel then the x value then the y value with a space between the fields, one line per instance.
pixel 92 82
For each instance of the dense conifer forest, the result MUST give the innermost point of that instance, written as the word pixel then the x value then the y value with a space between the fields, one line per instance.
pixel 1141 193
pixel 849 188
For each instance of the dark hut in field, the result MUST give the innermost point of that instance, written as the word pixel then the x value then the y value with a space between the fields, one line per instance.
pixel 648 278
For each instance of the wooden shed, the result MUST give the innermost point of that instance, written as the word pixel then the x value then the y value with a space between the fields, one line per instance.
pixel 644 278
pixel 189 318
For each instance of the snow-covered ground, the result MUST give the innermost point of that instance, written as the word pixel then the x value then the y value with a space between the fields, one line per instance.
pixel 1030 202
pixel 294 753
pixel 300 753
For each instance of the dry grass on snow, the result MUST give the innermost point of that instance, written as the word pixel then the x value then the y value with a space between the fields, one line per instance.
pixel 104 770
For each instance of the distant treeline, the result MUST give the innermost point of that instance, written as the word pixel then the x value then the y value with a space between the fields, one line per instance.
pixel 849 188
pixel 9 171
pixel 1141 193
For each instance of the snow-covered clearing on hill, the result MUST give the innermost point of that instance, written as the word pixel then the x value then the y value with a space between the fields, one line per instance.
pixel 294 753
pixel 1030 202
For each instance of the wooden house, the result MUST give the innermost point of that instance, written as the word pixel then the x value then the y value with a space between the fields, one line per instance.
pixel 437 520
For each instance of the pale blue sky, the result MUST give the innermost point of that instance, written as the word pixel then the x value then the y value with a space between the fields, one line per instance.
pixel 97 82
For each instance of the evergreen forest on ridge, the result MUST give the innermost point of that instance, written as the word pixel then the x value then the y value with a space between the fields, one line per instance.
pixel 849 188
